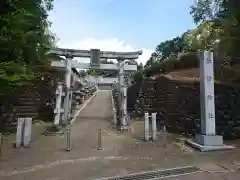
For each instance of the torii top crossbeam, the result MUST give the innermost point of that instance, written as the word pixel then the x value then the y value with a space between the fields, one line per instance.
pixel 102 54
pixel 95 55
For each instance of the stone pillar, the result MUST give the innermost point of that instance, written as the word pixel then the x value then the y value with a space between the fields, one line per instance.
pixel 68 73
pixel 146 127
pixel 154 126
pixel 27 132
pixel 121 87
pixel 58 108
pixel 20 131
pixel 70 104
pixel 118 98
pixel 207 140
pixel 207 136
pixel 207 98
pixel 124 106
pixel 24 132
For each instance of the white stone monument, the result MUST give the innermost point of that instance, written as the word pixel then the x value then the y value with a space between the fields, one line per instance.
pixel 146 127
pixel 150 131
pixel 24 132
pixel 27 132
pixel 58 109
pixel 207 140
pixel 19 134
pixel 154 126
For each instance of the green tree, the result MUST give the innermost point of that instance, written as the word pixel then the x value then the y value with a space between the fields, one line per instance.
pixel 24 40
pixel 225 16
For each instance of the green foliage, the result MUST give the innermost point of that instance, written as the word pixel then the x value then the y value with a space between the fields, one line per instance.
pixel 137 77
pixel 82 73
pixel 225 16
pixel 95 72
pixel 24 39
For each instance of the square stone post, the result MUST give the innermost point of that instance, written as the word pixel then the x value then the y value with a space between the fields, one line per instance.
pixel 124 106
pixel 70 104
pixel 154 126
pixel 207 97
pixel 27 135
pixel 58 108
pixel 207 140
pixel 146 126
pixel 20 131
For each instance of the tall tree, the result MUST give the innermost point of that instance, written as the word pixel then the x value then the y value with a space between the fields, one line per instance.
pixel 226 18
pixel 24 39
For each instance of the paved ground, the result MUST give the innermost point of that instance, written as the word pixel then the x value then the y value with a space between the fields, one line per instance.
pixel 122 153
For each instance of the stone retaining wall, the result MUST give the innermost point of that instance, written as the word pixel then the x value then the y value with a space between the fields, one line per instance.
pixel 177 103
pixel 132 96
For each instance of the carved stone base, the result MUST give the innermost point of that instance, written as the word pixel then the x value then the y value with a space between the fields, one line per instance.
pixel 208 143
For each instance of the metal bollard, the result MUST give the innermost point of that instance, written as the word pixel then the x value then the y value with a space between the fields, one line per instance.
pixel 68 139
pixel 1 144
pixel 99 139
pixel 164 137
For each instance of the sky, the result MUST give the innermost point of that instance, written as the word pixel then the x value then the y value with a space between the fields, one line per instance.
pixel 119 25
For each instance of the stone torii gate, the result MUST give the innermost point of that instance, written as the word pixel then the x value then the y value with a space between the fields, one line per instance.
pixel 95 55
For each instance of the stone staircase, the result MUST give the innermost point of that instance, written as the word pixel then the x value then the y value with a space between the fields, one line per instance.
pixel 28 103
pixel 32 100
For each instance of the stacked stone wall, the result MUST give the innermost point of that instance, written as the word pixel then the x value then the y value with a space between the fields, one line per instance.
pixel 177 103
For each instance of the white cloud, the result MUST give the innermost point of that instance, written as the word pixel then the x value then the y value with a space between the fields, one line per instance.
pixel 109 45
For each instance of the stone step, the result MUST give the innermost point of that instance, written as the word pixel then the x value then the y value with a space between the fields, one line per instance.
pixel 26 114
pixel 21 99
pixel 27 109
pixel 28 103
pixel 10 118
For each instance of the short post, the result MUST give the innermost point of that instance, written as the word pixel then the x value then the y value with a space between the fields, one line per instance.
pixel 70 104
pixel 119 106
pixel 164 136
pixel 68 138
pixel 58 109
pixel 154 126
pixel 27 131
pixel 146 127
pixel 114 116
pixel 1 143
pixel 99 139
pixel 124 101
pixel 19 134
pixel 113 109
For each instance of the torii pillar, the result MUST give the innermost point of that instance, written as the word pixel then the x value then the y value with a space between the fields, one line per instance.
pixel 122 95
pixel 67 84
